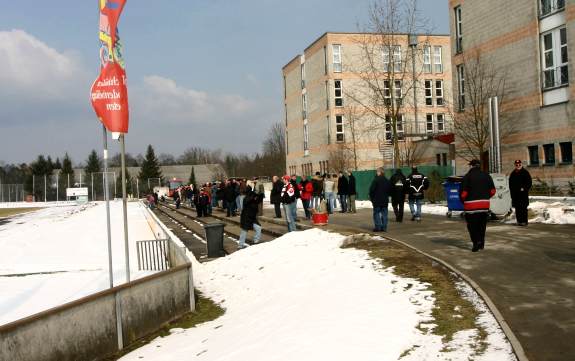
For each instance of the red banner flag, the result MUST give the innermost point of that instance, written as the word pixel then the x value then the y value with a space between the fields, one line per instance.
pixel 109 94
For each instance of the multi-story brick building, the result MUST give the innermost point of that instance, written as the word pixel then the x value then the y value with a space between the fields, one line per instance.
pixel 531 41
pixel 325 97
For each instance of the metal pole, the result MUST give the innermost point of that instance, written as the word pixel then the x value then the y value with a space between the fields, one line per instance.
pixel 115 188
pixel 9 193
pixel 33 188
pixel 107 199
pixel 92 177
pixel 497 136
pixel 138 187
pixel 414 90
pixel 44 188
pixel 491 138
pixel 57 185
pixel 68 180
pixel 125 205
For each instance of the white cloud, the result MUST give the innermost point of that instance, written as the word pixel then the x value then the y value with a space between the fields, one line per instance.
pixel 29 68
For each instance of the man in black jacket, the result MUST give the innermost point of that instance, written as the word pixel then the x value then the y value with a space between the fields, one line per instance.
pixel 417 183
pixel 275 195
pixel 249 217
pixel 519 186
pixel 398 186
pixel 342 190
pixel 476 189
pixel 379 192
pixel 351 193
pixel 230 198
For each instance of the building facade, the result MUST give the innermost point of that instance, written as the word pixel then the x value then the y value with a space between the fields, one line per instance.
pixel 531 42
pixel 334 118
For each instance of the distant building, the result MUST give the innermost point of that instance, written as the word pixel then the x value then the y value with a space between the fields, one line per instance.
pixel 325 87
pixel 533 41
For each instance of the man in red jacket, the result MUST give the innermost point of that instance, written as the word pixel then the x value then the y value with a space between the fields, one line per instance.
pixel 476 189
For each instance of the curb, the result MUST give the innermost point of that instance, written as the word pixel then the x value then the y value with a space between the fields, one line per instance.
pixel 515 344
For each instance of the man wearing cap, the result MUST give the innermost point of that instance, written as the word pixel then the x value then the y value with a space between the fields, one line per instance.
pixel 417 183
pixel 519 186
pixel 476 189
pixel 289 201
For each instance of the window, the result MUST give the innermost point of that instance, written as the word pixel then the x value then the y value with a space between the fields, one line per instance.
pixel 427 59
pixel 439 92
pixel 438 59
pixel 285 88
pixel 386 93
pixel 440 122
pixel 389 128
pixel 533 154
pixel 386 59
pixel 429 123
pixel 458 31
pixel 325 60
pixel 555 60
pixel 336 49
pixel 550 6
pixel 438 159
pixel 398 91
pixel 444 159
pixel 461 87
pixel 566 152
pixel 305 136
pixel 400 134
pixel 428 92
pixel 302 70
pixel 339 131
pixel 326 95
pixel 549 153
pixel 338 94
pixel 397 58
pixel 304 106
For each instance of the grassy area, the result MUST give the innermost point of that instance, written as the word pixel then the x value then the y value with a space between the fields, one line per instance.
pixel 206 310
pixel 452 313
pixel 8 212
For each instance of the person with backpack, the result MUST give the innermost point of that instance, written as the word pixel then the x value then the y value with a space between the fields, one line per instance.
pixel 289 200
pixel 398 188
pixel 249 217
pixel 417 183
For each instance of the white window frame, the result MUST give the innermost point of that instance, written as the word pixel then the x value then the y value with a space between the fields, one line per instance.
pixel 305 136
pixel 458 30
pixel 548 7
pixel 428 92
pixel 302 72
pixel 336 57
pixel 429 121
pixel 427 59
pixel 557 73
pixel 339 128
pixel 389 128
pixel 304 106
pixel 327 98
pixel 397 61
pixel 386 58
pixel 438 59
pixel 440 122
pixel 398 89
pixel 335 92
pixel 439 100
pixel 387 92
pixel 461 87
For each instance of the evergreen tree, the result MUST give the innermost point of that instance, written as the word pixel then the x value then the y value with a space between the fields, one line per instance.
pixel 49 166
pixel 193 178
pixel 93 170
pixel 57 165
pixel 67 171
pixel 129 181
pixel 150 169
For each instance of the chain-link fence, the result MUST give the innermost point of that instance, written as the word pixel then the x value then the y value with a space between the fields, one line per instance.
pixel 53 188
pixel 12 193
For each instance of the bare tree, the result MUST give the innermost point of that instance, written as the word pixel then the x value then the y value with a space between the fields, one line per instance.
pixel 387 67
pixel 482 80
pixel 354 115
pixel 339 158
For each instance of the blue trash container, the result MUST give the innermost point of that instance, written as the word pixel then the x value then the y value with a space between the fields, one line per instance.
pixel 452 187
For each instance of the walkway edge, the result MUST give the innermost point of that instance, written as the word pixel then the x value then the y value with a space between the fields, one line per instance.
pixel 515 344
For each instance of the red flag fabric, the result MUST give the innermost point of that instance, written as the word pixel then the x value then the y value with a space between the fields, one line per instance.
pixel 109 94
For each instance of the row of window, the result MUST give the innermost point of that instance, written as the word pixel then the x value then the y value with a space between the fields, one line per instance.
pixel 566 154
pixel 428 85
pixel 441 159
pixel 306 169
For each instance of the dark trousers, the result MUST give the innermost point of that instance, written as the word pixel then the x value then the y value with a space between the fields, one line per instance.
pixel 398 209
pixel 202 210
pixel 521 215
pixel 278 209
pixel 231 207
pixel 305 203
pixel 476 225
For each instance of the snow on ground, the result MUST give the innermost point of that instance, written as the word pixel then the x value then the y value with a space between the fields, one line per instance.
pixel 36 204
pixel 302 297
pixel 68 245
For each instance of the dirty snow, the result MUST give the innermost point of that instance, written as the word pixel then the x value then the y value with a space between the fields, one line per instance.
pixel 302 297
pixel 59 254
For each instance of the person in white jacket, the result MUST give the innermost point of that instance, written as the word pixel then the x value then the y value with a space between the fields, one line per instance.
pixel 328 188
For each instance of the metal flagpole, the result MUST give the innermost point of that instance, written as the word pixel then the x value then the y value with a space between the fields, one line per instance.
pixel 491 137
pixel 57 185
pixel 125 204
pixel 33 188
pixel 45 199
pixel 107 199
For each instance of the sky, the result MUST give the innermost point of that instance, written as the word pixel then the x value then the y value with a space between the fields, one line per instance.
pixel 203 73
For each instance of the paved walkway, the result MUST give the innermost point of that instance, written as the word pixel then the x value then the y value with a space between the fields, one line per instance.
pixel 528 272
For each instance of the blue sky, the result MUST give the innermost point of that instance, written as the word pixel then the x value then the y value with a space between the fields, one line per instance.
pixel 201 73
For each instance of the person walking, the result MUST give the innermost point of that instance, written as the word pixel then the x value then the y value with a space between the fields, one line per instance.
pixel 519 185
pixel 230 199
pixel 351 193
pixel 476 189
pixel 289 201
pixel 249 217
pixel 328 186
pixel 202 202
pixel 342 191
pixel 177 199
pixel 275 195
pixel 317 182
pixel 379 193
pixel 306 192
pixel 417 183
pixel 398 187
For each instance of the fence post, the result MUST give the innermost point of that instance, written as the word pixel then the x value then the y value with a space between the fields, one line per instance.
pixel 45 198
pixel 92 176
pixel 57 186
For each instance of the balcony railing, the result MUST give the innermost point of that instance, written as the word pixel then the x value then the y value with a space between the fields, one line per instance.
pixel 557 77
pixel 548 7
